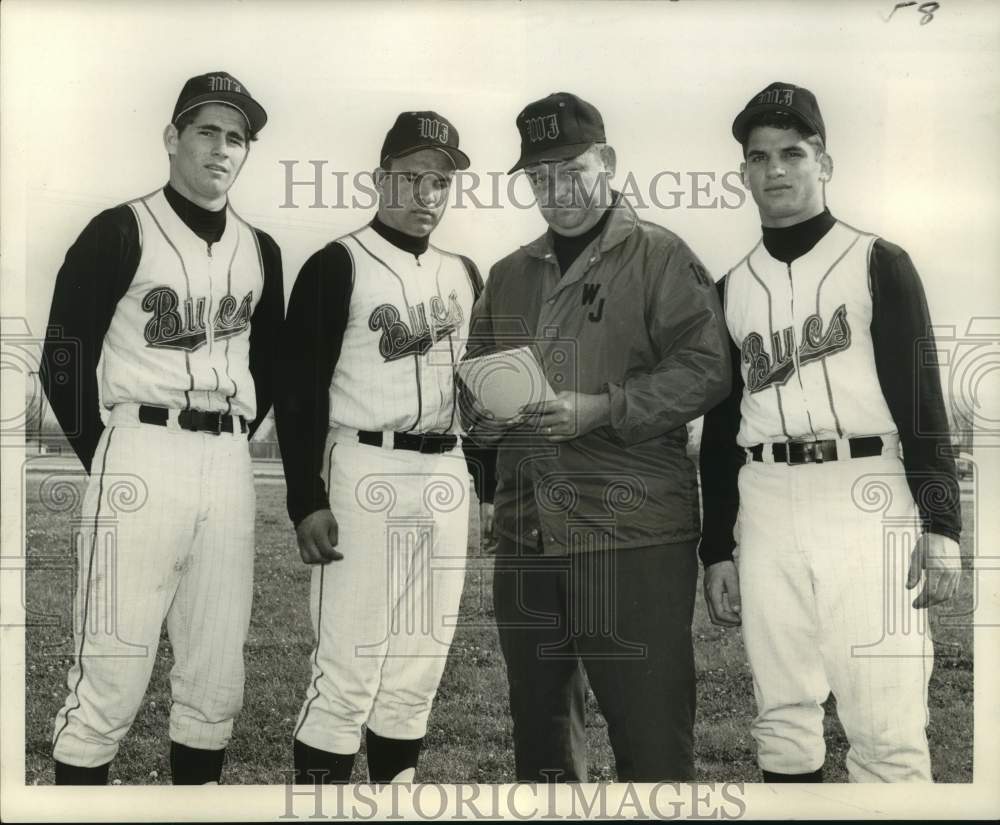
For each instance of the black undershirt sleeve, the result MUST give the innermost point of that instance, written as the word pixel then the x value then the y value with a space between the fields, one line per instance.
pixel 310 345
pixel 95 274
pixel 907 367
pixel 265 327
pixel 482 461
pixel 719 463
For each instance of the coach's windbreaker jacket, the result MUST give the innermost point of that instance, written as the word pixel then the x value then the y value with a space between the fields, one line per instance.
pixel 636 316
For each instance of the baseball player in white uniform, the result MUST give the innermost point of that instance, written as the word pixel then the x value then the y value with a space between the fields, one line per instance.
pixel 166 312
pixel 832 337
pixel 378 488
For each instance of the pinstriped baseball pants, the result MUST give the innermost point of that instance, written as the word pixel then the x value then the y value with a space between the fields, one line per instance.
pixel 823 551
pixel 385 615
pixel 166 533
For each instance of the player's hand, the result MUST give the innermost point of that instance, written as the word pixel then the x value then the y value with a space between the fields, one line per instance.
pixel 941 558
pixel 487 537
pixel 722 593
pixel 568 415
pixel 317 535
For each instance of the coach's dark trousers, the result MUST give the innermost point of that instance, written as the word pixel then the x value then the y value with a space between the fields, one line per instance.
pixel 624 618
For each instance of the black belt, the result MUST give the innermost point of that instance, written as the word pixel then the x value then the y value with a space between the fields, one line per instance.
pixel 194 420
pixel 816 452
pixel 418 442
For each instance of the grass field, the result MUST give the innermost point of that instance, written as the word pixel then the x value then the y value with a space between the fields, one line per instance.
pixel 469 734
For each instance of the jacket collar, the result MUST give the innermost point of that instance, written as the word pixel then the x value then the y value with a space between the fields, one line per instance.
pixel 621 224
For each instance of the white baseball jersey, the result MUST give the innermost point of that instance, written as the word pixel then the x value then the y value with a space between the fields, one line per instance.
pixel 377 323
pixel 406 331
pixel 180 335
pixel 170 316
pixel 826 323
pixel 803 330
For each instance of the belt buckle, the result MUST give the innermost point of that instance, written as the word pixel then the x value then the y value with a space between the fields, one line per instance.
pixel 811 452
pixel 217 422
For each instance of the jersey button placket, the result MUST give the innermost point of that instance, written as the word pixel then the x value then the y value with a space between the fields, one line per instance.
pixel 795 350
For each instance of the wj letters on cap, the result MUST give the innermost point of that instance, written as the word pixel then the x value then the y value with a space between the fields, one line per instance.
pixel 545 127
pixel 433 129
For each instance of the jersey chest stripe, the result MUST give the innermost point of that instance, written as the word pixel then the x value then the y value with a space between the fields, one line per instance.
pixel 354 264
pixel 840 257
pixel 770 332
pixel 86 591
pixel 187 282
pixel 256 241
pixel 451 343
pixel 229 291
pixel 826 372
pixel 170 243
pixel 416 357
pixel 138 222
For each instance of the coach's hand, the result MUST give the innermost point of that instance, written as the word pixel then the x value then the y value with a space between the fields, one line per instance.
pixel 941 558
pixel 722 593
pixel 317 536
pixel 568 415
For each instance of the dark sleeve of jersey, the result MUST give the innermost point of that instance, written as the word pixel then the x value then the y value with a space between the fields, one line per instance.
pixel 482 461
pixel 96 273
pixel 907 366
pixel 307 355
pixel 719 463
pixel 265 328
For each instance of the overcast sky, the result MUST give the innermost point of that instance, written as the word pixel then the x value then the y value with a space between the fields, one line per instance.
pixel 911 113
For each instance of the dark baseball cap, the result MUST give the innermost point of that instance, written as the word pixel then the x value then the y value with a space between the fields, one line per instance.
pixel 221 87
pixel 414 131
pixel 558 127
pixel 784 98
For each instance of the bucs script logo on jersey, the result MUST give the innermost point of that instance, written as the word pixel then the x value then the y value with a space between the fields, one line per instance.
pixel 762 371
pixel 180 324
pixel 399 340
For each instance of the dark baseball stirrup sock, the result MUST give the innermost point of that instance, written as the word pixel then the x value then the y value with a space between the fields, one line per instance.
pixel 316 767
pixel 73 775
pixel 388 758
pixel 195 766
pixel 815 776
